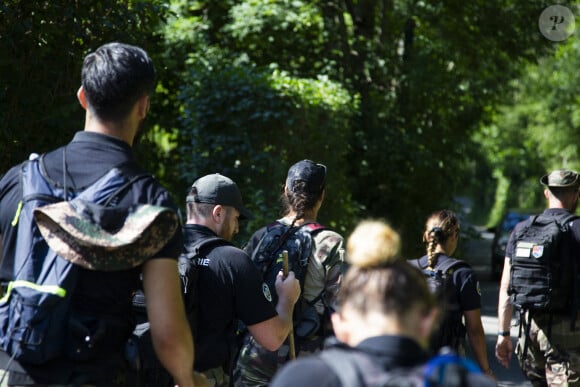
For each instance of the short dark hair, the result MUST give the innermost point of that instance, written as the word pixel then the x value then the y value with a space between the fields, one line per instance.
pixel 114 77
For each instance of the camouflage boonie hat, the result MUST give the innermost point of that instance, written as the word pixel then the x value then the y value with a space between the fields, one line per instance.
pixel 105 238
pixel 561 178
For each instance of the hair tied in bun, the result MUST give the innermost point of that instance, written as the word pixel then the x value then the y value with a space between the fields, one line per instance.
pixel 437 231
pixel 373 243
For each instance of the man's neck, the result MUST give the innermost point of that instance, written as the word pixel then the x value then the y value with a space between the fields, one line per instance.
pixel 111 129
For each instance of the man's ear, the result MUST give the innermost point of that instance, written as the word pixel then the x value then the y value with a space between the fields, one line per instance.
pixel 143 107
pixel 547 193
pixel 340 327
pixel 82 97
pixel 428 324
pixel 218 214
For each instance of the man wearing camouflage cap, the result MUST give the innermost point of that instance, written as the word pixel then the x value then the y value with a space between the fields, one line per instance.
pixel 548 347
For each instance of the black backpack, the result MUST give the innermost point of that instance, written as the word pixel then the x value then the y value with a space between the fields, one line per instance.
pixel 543 271
pixel 149 372
pixel 189 273
pixel 541 267
pixel 298 241
pixel 356 369
pixel 450 331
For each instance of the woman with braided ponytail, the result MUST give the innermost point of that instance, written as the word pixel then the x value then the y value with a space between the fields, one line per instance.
pixel 459 286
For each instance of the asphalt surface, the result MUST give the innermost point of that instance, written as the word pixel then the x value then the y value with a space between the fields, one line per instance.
pixel 478 253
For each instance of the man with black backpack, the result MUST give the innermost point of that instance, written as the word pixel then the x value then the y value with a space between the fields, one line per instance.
pixel 117 80
pixel 222 286
pixel 540 280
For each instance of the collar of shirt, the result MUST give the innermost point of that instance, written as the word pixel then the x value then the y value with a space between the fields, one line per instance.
pixel 394 350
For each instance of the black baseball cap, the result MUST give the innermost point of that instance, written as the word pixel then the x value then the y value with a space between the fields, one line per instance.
pixel 219 189
pixel 312 173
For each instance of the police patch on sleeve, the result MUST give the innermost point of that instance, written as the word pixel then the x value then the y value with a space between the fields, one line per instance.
pixel 266 291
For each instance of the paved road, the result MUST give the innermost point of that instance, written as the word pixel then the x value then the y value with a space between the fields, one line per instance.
pixel 478 254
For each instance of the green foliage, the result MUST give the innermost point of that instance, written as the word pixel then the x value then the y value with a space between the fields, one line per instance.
pixel 538 131
pixel 251 124
pixel 410 104
pixel 444 72
pixel 271 30
pixel 42 45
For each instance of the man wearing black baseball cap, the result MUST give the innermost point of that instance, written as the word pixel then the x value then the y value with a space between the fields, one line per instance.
pixel 548 348
pixel 221 284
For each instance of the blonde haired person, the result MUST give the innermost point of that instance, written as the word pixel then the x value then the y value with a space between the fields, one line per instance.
pixel 460 288
pixel 385 313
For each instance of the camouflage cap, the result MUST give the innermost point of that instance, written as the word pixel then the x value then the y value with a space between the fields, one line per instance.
pixel 561 178
pixel 105 238
pixel 313 174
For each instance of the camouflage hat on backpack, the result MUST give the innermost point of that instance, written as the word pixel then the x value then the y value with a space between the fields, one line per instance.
pixel 561 178
pixel 105 238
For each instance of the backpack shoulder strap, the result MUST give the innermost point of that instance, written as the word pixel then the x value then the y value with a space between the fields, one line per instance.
pixel 186 261
pixel 132 173
pixel 449 369
pixel 289 231
pixel 32 171
pixel 355 369
pixel 313 227
pixel 449 264
pixel 128 169
pixel 565 219
pixel 343 364
pixel 193 250
pixel 527 224
pixel 415 263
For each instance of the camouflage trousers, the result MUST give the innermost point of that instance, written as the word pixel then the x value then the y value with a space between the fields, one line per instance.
pixel 256 365
pixel 554 360
pixel 217 377
pixel 16 379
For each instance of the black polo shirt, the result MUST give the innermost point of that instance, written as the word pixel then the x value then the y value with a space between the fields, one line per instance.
pixel 230 289
pixel 87 158
pixel 389 352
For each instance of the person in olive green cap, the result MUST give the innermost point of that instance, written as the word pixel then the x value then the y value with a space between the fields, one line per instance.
pixel 548 347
